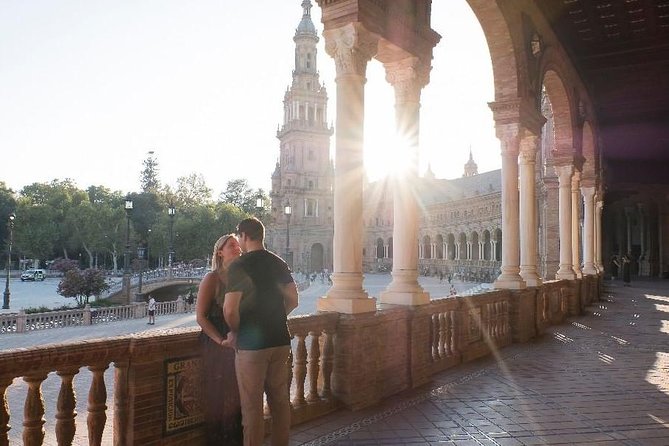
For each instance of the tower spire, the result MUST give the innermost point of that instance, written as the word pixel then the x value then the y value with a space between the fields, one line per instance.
pixel 471 168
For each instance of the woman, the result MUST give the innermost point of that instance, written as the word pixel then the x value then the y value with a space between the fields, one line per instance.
pixel 221 395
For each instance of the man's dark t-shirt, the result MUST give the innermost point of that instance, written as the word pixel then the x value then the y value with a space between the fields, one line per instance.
pixel 260 275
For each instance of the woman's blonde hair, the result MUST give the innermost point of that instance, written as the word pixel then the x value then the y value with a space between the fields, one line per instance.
pixel 216 260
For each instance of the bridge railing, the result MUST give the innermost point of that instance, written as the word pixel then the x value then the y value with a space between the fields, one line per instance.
pixel 21 322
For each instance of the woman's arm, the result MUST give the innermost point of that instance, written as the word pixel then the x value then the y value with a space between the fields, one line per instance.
pixel 206 294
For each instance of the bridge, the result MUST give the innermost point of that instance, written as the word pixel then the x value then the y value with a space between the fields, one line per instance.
pixel 158 282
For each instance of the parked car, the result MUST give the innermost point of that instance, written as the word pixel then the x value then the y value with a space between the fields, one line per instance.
pixel 33 274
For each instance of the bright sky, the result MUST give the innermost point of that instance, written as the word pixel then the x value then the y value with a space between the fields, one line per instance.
pixel 88 88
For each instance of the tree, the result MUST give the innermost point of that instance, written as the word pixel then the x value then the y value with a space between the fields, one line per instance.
pixel 149 180
pixel 192 190
pixel 241 195
pixel 81 285
pixel 7 206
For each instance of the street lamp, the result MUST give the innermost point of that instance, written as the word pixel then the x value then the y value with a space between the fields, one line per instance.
pixel 287 210
pixel 140 256
pixel 126 256
pixel 171 211
pixel 260 205
pixel 10 223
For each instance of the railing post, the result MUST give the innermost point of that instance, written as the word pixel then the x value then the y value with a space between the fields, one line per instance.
pixel 121 403
pixel 65 407
pixel 97 397
pixel 21 321
pixel 181 306
pixel 88 320
pixel 33 411
pixel 5 381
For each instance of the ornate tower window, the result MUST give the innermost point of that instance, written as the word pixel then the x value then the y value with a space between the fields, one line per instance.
pixel 310 207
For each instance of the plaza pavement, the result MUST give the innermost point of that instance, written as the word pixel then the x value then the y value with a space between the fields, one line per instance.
pixel 599 379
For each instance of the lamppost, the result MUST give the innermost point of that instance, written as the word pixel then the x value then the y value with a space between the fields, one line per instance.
pixel 260 205
pixel 126 256
pixel 10 223
pixel 287 210
pixel 140 256
pixel 172 212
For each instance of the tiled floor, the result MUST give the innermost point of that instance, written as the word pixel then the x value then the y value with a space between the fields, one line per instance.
pixel 599 379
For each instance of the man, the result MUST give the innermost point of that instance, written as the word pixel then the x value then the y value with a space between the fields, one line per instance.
pixel 152 311
pixel 260 295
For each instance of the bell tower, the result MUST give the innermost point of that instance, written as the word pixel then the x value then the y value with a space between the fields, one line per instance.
pixel 303 177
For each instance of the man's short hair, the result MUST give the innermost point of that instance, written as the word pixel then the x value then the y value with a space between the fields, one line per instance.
pixel 253 228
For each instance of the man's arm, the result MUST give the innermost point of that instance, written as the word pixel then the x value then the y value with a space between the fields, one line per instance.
pixel 290 297
pixel 231 309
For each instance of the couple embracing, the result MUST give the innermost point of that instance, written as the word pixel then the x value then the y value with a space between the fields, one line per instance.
pixel 242 307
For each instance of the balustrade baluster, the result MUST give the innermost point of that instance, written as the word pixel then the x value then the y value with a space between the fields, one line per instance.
pixel 290 369
pixel 328 360
pixel 314 359
pixel 443 341
pixel 448 344
pixel 97 398
pixel 65 407
pixel 5 382
pixel 300 369
pixel 434 335
pixel 453 332
pixel 121 402
pixel 33 411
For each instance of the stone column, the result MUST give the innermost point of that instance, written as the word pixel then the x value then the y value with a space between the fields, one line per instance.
pixel 575 220
pixel 352 47
pixel 528 211
pixel 566 270
pixel 628 230
pixel 589 242
pixel 598 229
pixel 510 277
pixel 644 264
pixel 407 76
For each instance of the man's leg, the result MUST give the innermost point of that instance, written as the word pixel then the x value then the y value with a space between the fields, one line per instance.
pixel 278 397
pixel 251 367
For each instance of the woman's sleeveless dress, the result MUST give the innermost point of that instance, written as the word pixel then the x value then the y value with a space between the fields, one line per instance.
pixel 223 414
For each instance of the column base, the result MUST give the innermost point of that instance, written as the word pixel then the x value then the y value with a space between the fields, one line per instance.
pixel 565 274
pixel 590 270
pixel 509 281
pixel 578 273
pixel 404 297
pixel 532 280
pixel 354 305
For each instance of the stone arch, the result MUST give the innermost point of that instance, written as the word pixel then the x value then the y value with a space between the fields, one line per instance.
pixel 317 257
pixel 486 246
pixel 379 248
pixel 439 242
pixel 427 251
pixel 562 111
pixel 502 47
pixel 462 243
pixel 450 246
pixel 475 246
pixel 590 164
pixel 390 248
pixel 498 238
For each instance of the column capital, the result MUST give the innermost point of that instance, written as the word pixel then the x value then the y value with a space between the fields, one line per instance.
pixel 520 111
pixel 588 192
pixel 351 46
pixel 408 76
pixel 576 180
pixel 564 173
pixel 528 149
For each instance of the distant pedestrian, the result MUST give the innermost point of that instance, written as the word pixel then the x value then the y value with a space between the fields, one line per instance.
pixel 152 311
pixel 625 260
pixel 189 301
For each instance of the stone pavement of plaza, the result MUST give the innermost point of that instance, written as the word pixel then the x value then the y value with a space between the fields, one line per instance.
pixel 598 379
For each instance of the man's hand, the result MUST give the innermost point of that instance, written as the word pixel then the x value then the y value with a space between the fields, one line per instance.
pixel 230 341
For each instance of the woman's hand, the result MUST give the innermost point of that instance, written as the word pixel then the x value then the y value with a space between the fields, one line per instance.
pixel 230 341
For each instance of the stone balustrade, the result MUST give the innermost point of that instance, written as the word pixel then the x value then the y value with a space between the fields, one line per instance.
pixel 21 322
pixel 337 360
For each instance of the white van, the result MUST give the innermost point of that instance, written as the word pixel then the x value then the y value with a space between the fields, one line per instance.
pixel 33 274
